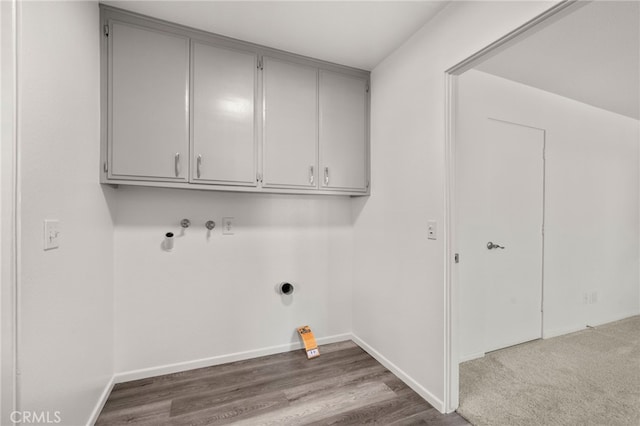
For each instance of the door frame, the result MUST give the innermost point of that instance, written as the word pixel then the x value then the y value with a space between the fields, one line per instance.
pixel 451 358
pixel 9 210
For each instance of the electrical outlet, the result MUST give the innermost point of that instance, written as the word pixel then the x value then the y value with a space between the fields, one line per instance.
pixel 585 298
pixel 593 297
pixel 227 226
pixel 432 229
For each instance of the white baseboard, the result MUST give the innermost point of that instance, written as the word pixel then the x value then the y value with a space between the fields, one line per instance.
pixel 612 318
pixel 159 370
pixel 471 357
pixel 572 329
pixel 408 380
pixel 548 334
pixel 100 404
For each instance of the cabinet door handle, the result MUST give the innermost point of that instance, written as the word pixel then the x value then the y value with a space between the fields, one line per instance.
pixel 311 175
pixel 177 164
pixel 198 165
pixel 326 176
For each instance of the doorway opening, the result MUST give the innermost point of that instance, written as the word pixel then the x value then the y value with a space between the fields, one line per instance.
pixel 527 174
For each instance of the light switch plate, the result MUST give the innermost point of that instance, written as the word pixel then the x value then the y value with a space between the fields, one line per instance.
pixel 432 229
pixel 51 234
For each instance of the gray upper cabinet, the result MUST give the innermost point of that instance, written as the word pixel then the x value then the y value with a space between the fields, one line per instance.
pixel 223 92
pixel 290 135
pixel 183 108
pixel 343 131
pixel 148 132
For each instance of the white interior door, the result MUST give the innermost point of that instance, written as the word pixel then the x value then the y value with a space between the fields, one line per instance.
pixel 500 201
pixel 515 172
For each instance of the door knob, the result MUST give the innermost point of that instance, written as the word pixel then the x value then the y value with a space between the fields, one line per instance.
pixel 491 246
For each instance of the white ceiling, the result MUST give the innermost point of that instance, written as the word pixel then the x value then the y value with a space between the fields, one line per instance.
pixel 591 55
pixel 354 33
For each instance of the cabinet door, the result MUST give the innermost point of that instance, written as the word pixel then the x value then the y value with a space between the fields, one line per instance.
pixel 224 86
pixel 148 132
pixel 290 138
pixel 343 132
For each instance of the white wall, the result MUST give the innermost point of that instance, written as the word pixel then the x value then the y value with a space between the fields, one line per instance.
pixel 66 294
pixel 399 274
pixel 591 204
pixel 213 300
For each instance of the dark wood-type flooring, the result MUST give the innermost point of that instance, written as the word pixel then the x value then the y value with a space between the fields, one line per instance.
pixel 345 385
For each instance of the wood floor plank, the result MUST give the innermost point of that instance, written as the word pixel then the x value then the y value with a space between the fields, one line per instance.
pixel 232 412
pixel 383 413
pixel 405 404
pixel 432 418
pixel 315 408
pixel 148 414
pixel 329 384
pixel 345 385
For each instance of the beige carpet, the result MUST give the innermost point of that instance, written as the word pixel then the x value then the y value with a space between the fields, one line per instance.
pixel 591 377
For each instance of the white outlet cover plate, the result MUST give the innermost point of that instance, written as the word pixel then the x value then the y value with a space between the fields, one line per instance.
pixel 51 234
pixel 227 226
pixel 432 229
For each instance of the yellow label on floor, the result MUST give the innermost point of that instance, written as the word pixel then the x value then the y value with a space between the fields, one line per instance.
pixel 309 341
